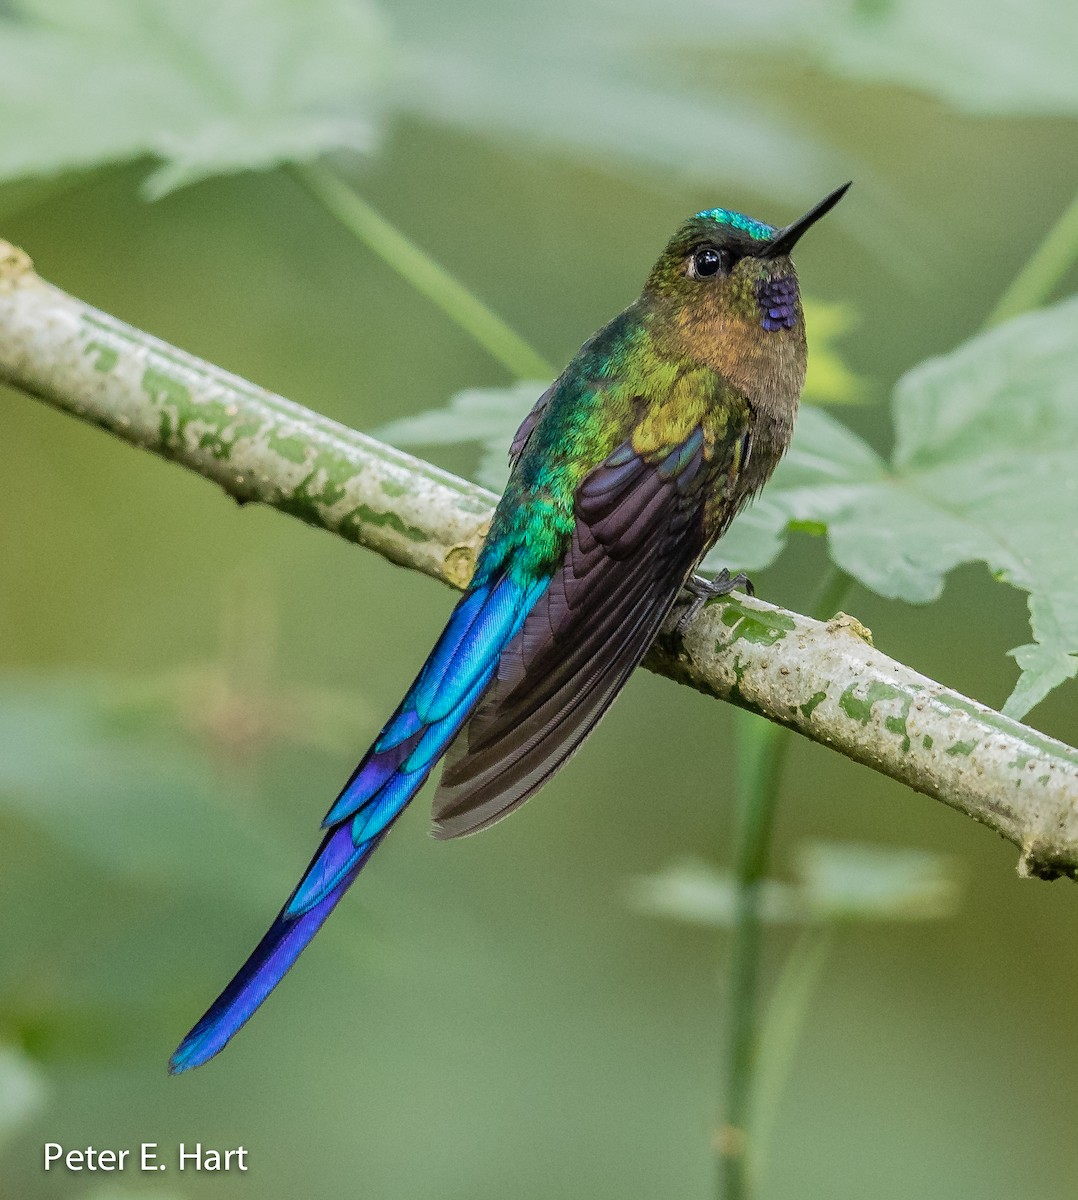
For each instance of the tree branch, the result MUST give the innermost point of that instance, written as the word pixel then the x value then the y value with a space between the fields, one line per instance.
pixel 824 680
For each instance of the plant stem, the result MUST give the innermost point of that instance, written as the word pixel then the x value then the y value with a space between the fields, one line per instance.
pixel 1033 285
pixel 763 748
pixel 780 1031
pixel 763 751
pixel 423 273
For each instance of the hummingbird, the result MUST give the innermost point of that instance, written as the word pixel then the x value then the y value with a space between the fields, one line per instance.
pixel 624 474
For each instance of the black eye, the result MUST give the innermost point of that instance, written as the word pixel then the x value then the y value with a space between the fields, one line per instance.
pixel 708 261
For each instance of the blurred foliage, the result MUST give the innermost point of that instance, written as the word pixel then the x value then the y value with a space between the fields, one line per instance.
pixel 214 88
pixel 488 416
pixel 114 1192
pixel 23 1091
pixel 1010 59
pixel 235 706
pixel 131 773
pixel 848 882
pixel 206 87
pixel 160 780
pixel 836 881
pixel 612 94
pixel 106 781
pixel 1007 58
pixel 829 379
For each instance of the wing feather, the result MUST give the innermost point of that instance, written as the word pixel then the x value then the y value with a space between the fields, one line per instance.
pixel 638 533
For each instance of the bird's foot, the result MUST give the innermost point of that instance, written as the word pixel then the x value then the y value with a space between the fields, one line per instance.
pixel 702 590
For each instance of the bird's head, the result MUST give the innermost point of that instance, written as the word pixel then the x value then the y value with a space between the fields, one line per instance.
pixel 725 291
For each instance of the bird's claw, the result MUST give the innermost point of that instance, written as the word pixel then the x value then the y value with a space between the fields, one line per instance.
pixel 720 585
pixel 702 590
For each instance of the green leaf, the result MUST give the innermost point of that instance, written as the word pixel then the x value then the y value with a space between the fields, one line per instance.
pixel 207 87
pixel 212 87
pixel 844 881
pixel 994 57
pixel 697 894
pixel 985 469
pixel 489 416
pixel 998 58
pixel 837 881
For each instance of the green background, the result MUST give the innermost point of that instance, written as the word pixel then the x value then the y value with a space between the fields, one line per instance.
pixel 491 1017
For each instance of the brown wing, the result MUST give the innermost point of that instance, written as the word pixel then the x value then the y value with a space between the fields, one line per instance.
pixel 638 534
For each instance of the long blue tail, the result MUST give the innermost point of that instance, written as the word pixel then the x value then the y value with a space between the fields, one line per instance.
pixel 458 671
